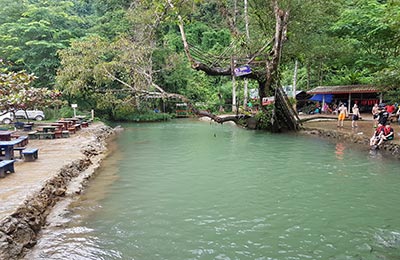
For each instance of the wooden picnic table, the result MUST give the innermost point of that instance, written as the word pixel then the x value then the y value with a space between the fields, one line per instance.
pixel 66 123
pixel 59 126
pixel 73 119
pixel 5 135
pixel 7 147
pixel 48 128
pixel 7 150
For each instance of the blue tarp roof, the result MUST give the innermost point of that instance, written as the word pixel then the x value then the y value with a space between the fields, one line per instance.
pixel 320 97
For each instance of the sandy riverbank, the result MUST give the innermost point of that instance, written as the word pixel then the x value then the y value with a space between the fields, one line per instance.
pixel 28 195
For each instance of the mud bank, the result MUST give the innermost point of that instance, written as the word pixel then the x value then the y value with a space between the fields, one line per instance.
pixel 389 147
pixel 19 230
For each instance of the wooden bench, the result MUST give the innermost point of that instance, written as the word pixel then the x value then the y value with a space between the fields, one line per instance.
pixel 85 124
pixel 65 133
pixel 42 135
pixel 23 140
pixel 28 127
pixel 6 166
pixel 72 130
pixel 19 149
pixel 32 135
pixel 30 154
pixel 58 133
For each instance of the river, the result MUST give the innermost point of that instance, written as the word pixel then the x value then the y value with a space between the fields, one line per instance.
pixel 197 190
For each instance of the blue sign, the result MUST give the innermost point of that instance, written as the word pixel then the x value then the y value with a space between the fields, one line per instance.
pixel 244 70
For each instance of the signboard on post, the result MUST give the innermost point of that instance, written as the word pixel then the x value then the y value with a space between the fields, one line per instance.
pixel 243 70
pixel 74 106
pixel 268 100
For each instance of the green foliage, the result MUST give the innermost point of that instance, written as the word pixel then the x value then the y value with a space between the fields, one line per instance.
pixel 389 80
pixel 81 66
pixel 342 42
pixel 16 92
pixel 373 32
pixel 144 117
pixel 66 112
pixel 264 117
pixel 124 113
pixel 96 45
pixel 111 24
pixel 349 77
pixel 31 41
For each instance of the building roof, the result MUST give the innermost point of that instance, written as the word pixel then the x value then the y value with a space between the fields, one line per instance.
pixel 344 89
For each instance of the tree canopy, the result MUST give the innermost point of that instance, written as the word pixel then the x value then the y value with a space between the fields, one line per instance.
pixel 16 93
pixel 127 50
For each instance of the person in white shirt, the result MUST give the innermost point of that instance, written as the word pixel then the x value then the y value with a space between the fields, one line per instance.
pixel 356 116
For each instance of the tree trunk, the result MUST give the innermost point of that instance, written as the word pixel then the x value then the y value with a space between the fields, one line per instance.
pixel 308 75
pixel 246 81
pixel 281 19
pixel 266 79
pixel 234 105
pixel 234 98
pixel 295 82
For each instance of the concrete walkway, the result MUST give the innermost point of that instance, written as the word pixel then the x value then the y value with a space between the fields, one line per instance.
pixel 29 177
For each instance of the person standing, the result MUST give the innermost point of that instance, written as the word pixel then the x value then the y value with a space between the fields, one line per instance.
pixel 342 110
pixel 375 114
pixel 383 115
pixel 356 116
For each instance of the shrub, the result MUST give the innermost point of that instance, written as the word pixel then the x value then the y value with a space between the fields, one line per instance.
pixel 264 117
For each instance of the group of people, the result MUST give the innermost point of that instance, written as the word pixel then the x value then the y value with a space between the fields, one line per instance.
pixel 383 131
pixel 342 114
pixel 380 114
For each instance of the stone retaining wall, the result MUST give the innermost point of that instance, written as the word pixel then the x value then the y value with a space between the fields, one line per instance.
pixel 389 147
pixel 19 231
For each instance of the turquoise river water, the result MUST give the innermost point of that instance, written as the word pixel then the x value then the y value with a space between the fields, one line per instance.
pixel 194 190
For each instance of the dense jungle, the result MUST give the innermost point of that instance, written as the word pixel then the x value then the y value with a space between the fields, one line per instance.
pixel 127 58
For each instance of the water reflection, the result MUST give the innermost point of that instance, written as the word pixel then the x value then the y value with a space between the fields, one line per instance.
pixel 339 151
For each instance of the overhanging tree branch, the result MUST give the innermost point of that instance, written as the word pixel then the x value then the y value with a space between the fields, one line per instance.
pixel 166 95
pixel 266 78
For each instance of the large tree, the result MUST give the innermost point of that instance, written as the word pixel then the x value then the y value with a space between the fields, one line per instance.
pixel 33 32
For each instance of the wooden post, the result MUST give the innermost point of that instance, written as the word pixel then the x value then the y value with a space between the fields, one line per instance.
pixel 234 105
pixel 294 84
pixel 246 81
